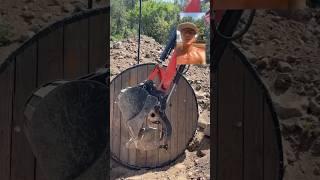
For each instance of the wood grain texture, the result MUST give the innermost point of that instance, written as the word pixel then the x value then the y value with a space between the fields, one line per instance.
pixel 230 142
pixel 142 155
pixel 270 151
pixel 22 159
pixel 98 38
pixel 50 55
pixel 152 156
pixel 6 91
pixel 124 134
pixel 76 61
pixel 181 119
pixel 252 129
pixel 116 125
pixel 132 82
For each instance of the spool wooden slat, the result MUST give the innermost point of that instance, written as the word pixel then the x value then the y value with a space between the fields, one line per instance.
pixel 50 54
pixel 6 91
pixel 132 82
pixel 22 159
pixel 152 155
pixel 98 38
pixel 270 152
pixel 123 130
pixel 157 158
pixel 230 110
pixel 116 125
pixel 76 61
pixel 142 155
pixel 252 129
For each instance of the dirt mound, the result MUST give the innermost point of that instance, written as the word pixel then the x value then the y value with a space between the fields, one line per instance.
pixel 23 19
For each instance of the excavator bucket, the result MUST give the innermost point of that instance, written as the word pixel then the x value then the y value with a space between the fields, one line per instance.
pixel 135 103
pixel 140 107
pixel 66 125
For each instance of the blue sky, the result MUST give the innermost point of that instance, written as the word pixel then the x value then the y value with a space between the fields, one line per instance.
pixel 194 16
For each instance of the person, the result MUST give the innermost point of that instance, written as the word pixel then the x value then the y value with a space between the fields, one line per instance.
pixel 187 52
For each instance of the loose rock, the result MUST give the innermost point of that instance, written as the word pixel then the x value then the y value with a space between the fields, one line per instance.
pixel 287 112
pixel 283 81
pixel 314 108
pixel 284 67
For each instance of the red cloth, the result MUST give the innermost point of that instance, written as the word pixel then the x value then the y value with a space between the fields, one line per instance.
pixel 165 74
pixel 193 6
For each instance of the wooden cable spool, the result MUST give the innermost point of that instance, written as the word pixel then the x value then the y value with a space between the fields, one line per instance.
pixel 66 125
pixel 182 112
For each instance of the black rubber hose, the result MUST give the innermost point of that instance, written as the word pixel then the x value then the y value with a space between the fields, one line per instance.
pixel 239 34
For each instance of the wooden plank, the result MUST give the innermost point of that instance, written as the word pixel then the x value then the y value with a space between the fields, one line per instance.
pixel 22 159
pixel 271 151
pixel 194 121
pixel 50 55
pixel 153 155
pixel 164 155
pixel 132 82
pixel 141 155
pixel 230 142
pixel 6 91
pixel 214 131
pixel 116 124
pixel 253 132
pixel 123 128
pixel 181 93
pixel 190 109
pixel 98 38
pixel 195 115
pixel 174 124
pixel 112 104
pixel 76 49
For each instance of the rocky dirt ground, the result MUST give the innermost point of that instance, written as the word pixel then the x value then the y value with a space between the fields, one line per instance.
pixel 284 48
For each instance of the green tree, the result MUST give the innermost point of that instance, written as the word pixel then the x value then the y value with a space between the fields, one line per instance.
pixel 158 18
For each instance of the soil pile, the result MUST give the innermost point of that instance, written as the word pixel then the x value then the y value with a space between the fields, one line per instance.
pixel 20 20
